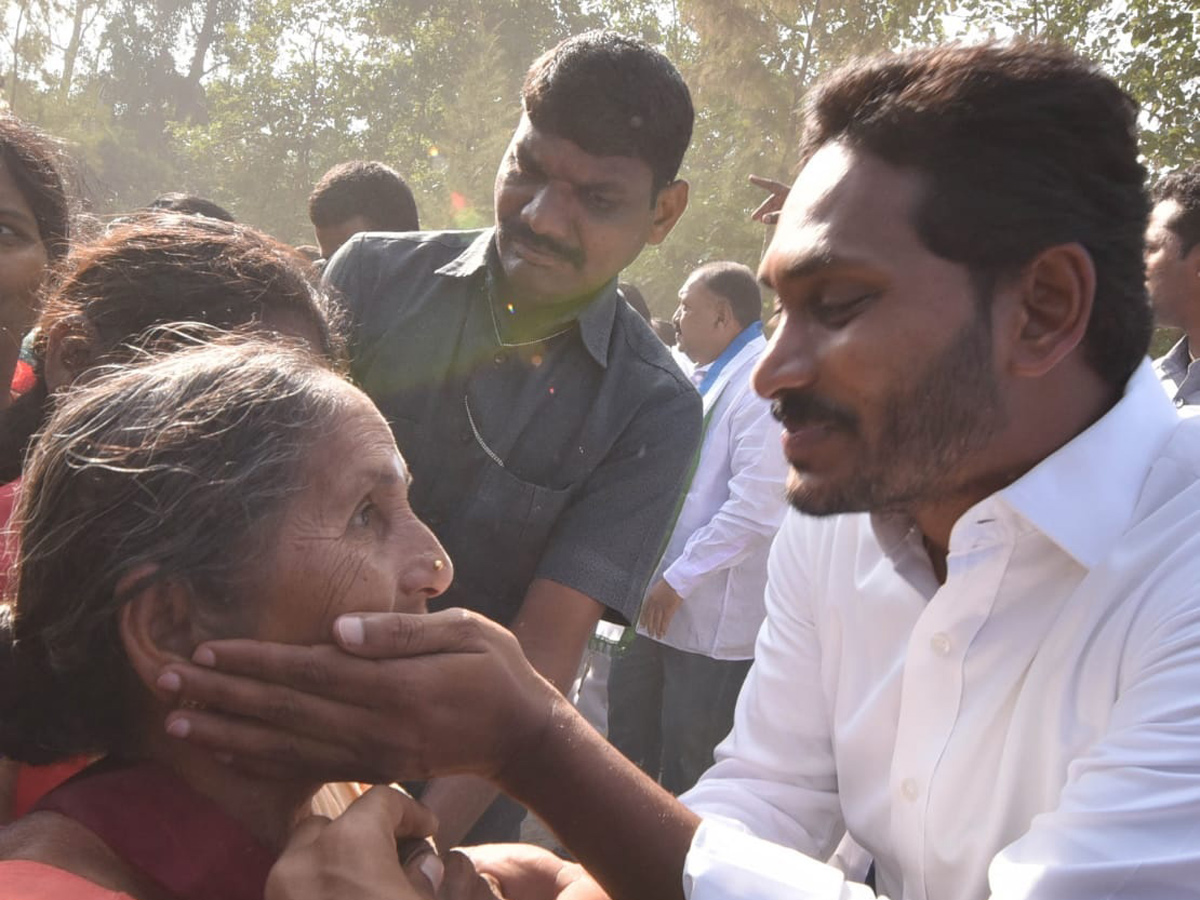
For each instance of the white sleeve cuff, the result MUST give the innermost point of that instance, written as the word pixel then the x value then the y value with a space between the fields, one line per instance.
pixel 726 863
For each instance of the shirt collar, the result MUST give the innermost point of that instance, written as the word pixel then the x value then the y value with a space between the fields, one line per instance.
pixel 595 321
pixel 1177 360
pixel 1084 494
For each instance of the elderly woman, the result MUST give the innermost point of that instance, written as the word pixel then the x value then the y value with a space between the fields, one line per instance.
pixel 148 271
pixel 233 490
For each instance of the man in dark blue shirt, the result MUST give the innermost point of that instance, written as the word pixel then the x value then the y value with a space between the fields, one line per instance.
pixel 547 428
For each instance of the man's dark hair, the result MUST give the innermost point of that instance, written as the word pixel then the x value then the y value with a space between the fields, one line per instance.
pixel 1022 146
pixel 190 205
pixel 612 96
pixel 1184 188
pixel 737 285
pixel 368 189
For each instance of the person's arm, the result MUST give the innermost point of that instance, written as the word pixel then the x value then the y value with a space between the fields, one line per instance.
pixel 449 692
pixel 552 627
pixel 744 523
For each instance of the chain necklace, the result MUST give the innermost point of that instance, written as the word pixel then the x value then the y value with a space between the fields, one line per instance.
pixel 503 343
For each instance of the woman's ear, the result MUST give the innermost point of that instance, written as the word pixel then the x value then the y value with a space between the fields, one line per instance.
pixel 155 622
pixel 70 349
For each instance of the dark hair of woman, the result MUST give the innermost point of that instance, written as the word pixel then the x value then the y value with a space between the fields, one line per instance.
pixel 159 268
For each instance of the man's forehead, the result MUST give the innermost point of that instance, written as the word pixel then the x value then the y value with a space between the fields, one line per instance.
pixel 1163 215
pixel 842 202
pixel 555 151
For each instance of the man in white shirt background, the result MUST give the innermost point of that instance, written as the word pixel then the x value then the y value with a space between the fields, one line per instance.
pixel 982 642
pixel 1173 278
pixel 671 693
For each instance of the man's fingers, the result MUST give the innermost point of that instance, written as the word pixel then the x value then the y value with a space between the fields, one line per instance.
pixel 321 669
pixel 400 635
pixel 285 706
pixel 462 882
pixel 256 747
pixel 306 832
pixel 769 184
pixel 405 817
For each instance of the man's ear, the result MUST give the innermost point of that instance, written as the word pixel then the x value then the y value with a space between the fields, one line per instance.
pixel 668 207
pixel 1055 294
pixel 70 348
pixel 155 623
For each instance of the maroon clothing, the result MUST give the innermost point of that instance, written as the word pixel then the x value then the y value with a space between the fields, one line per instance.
pixel 162 828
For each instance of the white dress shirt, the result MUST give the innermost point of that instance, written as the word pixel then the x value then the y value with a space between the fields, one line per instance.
pixel 716 556
pixel 1028 729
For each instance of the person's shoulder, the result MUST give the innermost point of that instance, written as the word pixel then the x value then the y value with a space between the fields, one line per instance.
pixel 46 856
pixel 641 349
pixel 398 248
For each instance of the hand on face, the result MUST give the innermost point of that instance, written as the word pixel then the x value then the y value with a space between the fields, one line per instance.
pixel 356 856
pixel 405 696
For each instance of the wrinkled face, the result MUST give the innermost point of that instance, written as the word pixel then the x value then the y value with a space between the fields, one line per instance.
pixel 881 366
pixel 698 322
pixel 22 260
pixel 349 542
pixel 331 237
pixel 568 222
pixel 1172 278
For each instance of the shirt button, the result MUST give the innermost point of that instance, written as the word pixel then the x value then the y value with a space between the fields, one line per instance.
pixel 940 643
pixel 1179 401
pixel 500 357
pixel 909 790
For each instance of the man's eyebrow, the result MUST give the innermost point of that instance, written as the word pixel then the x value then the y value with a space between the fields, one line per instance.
pixel 808 264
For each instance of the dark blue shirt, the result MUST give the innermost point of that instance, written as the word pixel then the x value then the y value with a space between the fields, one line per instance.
pixel 562 459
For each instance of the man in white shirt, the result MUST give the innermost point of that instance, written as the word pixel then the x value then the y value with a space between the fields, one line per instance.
pixel 1173 278
pixel 671 693
pixel 982 646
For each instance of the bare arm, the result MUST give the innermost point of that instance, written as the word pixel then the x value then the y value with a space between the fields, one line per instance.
pixel 445 693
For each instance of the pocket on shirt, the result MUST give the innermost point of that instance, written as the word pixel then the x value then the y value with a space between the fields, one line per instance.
pixel 510 522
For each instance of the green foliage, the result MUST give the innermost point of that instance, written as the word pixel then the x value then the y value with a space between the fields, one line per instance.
pixel 250 101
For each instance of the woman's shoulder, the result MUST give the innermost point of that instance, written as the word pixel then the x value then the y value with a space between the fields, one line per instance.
pixel 46 856
pixel 28 880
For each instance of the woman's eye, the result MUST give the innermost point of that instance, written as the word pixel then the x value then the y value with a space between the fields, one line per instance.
pixel 365 515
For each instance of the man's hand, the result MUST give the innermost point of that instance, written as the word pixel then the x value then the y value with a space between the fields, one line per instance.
pixel 526 872
pixel 767 212
pixel 355 855
pixel 662 602
pixel 401 697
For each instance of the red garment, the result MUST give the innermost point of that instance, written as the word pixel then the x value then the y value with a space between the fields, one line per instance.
pixel 160 827
pixel 34 782
pixel 24 880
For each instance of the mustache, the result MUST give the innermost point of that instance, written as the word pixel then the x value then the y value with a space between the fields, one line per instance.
pixel 798 409
pixel 515 228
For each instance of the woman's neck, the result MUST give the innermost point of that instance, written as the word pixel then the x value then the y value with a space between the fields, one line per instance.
pixel 268 808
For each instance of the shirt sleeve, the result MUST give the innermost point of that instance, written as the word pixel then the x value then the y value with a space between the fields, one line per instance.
pixel 724 862
pixel 608 541
pixel 755 506
pixel 775 772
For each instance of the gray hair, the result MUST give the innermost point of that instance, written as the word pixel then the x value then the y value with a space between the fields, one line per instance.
pixel 184 463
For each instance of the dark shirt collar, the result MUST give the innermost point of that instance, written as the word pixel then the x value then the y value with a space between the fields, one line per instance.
pixel 595 321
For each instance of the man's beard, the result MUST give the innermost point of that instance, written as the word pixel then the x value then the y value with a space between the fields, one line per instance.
pixel 927 429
